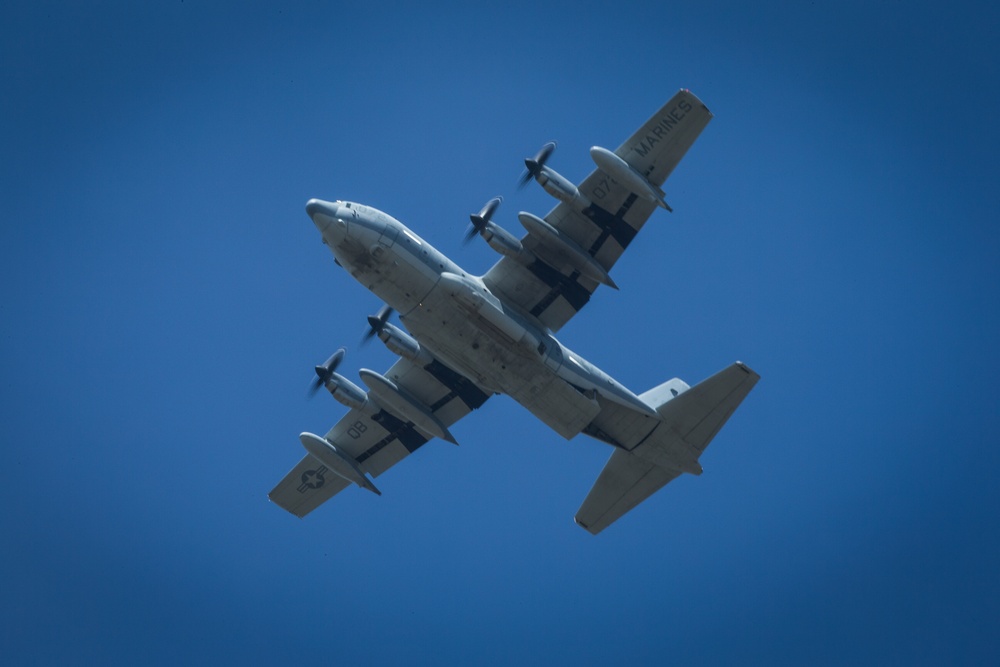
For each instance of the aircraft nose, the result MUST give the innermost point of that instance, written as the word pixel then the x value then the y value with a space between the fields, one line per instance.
pixel 315 206
pixel 328 220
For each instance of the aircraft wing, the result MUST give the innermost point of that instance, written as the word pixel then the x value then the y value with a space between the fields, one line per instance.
pixel 376 439
pixel 553 295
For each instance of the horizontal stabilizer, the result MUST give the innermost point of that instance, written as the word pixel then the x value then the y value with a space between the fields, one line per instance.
pixel 698 413
pixel 691 418
pixel 625 482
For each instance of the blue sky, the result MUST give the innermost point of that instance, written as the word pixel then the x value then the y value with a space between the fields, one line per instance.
pixel 165 298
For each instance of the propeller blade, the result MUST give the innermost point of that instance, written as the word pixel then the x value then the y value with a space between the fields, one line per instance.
pixel 525 177
pixel 533 166
pixel 325 370
pixel 481 219
pixel 376 322
pixel 314 387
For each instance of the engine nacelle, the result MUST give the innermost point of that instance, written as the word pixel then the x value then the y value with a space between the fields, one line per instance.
pixel 403 344
pixel 346 392
pixel 560 188
pixel 503 241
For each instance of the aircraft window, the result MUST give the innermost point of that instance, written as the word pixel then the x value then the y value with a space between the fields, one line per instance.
pixel 673 391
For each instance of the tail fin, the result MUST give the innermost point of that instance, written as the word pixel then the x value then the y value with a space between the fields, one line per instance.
pixel 691 418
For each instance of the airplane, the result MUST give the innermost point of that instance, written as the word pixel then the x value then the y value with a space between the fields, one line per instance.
pixel 468 337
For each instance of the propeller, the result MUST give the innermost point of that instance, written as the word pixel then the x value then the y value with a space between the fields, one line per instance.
pixel 534 165
pixel 325 370
pixel 376 322
pixel 481 219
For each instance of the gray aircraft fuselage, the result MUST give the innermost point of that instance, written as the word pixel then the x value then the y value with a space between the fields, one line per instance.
pixel 453 316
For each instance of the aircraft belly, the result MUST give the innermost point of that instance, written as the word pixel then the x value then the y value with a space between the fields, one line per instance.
pixel 468 344
pixel 395 276
pixel 558 404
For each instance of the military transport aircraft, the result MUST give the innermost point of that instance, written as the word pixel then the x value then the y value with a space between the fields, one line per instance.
pixel 470 337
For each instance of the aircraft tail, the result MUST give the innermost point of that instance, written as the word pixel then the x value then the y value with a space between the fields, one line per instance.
pixel 691 418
